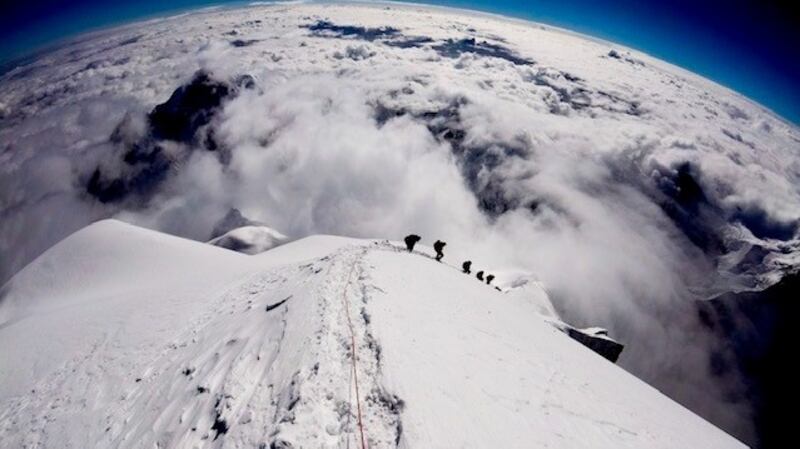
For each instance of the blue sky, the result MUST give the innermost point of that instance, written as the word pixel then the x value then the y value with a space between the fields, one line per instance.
pixel 750 46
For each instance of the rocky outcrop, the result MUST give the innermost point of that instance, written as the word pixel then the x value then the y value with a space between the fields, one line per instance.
pixel 597 340
pixel 757 331
pixel 594 338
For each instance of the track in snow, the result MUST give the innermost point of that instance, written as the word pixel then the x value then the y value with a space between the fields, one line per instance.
pixel 269 364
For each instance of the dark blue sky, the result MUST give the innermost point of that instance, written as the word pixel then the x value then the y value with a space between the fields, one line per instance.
pixel 751 46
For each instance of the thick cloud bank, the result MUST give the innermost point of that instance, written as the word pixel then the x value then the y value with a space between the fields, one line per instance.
pixel 630 188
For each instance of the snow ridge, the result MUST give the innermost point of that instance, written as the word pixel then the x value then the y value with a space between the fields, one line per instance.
pixel 348 355
pixel 292 352
pixel 245 373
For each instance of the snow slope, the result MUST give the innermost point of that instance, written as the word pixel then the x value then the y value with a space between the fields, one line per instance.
pixel 123 337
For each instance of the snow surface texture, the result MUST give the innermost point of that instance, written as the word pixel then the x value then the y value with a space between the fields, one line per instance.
pixel 628 187
pixel 126 337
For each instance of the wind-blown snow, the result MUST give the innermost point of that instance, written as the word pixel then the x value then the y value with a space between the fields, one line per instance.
pixel 628 187
pixel 131 338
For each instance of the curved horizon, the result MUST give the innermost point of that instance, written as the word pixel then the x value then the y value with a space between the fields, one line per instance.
pixel 721 51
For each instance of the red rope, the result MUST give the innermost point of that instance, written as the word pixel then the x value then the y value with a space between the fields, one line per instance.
pixel 353 346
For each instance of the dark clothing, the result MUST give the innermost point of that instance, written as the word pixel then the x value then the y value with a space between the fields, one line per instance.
pixel 480 275
pixel 466 266
pixel 411 240
pixel 489 279
pixel 438 247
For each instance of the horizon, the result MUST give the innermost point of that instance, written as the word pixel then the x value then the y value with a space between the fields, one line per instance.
pixel 713 50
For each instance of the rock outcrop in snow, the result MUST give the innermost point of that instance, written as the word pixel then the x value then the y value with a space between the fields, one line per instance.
pixel 596 339
pixel 758 329
pixel 525 288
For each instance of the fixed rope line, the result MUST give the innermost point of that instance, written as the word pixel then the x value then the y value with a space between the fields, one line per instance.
pixel 346 304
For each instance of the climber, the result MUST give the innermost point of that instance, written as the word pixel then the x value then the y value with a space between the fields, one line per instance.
pixel 489 279
pixel 480 276
pixel 466 266
pixel 438 247
pixel 411 240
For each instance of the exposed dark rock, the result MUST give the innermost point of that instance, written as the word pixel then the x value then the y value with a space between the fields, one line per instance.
pixel 220 426
pixel 763 226
pixel 688 206
pixel 137 154
pixel 209 141
pixel 752 261
pixel 106 190
pixel 383 114
pixel 685 189
pixel 597 342
pixel 232 220
pixel 190 107
pixel 455 48
pixel 569 93
pixel 703 222
pixel 149 167
pixel 146 164
pixel 445 126
pixel 758 330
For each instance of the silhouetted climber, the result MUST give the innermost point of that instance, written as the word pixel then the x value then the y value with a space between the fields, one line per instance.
pixel 489 279
pixel 412 240
pixel 438 247
pixel 466 266
pixel 480 275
